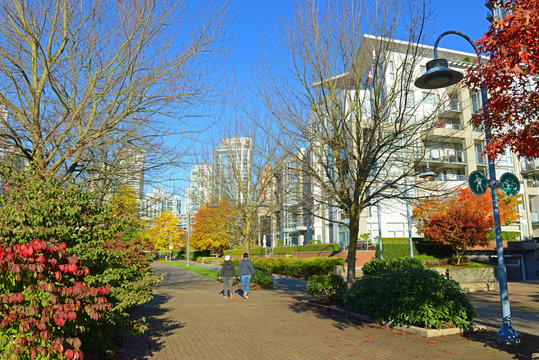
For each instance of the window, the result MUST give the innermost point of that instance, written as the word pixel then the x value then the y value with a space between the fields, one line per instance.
pixel 407 72
pixel 429 98
pixel 410 103
pixel 478 151
pixel 454 104
pixel 476 102
pixel 391 70
pixel 506 158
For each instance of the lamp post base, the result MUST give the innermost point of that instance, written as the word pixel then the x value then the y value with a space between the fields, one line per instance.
pixel 508 336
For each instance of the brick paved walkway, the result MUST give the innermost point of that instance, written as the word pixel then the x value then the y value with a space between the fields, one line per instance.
pixel 189 319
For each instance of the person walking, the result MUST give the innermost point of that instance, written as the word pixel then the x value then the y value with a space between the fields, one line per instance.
pixel 245 271
pixel 228 271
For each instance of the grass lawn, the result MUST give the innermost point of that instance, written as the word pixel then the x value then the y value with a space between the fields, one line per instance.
pixel 212 274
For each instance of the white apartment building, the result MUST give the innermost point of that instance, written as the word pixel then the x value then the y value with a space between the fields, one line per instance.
pixel 198 193
pixel 231 168
pixel 452 149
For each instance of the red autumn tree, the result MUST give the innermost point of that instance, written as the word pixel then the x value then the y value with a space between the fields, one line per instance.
pixel 464 220
pixel 509 78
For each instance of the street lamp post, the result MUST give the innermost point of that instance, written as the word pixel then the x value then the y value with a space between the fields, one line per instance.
pixel 230 232
pixel 408 217
pixel 188 235
pixel 439 75
pixel 379 230
pixel 170 246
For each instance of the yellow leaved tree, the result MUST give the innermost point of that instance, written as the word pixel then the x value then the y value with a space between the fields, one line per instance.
pixel 212 227
pixel 165 232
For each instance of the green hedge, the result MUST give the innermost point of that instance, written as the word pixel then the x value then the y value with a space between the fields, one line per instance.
pixel 253 251
pixel 423 248
pixel 379 266
pixel 399 240
pixel 302 268
pixel 506 236
pixel 284 250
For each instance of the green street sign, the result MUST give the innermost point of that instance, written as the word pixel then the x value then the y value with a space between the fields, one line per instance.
pixel 509 184
pixel 477 182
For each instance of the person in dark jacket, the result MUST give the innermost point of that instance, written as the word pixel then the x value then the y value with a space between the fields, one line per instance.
pixel 246 270
pixel 228 271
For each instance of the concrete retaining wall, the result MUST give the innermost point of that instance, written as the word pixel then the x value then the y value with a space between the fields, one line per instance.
pixel 470 275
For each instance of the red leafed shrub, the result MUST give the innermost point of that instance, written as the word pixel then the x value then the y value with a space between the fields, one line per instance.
pixel 45 302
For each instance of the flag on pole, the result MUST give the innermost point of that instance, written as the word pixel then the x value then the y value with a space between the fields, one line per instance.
pixel 370 77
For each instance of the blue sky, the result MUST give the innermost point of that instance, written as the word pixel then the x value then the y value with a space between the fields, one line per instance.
pixel 255 16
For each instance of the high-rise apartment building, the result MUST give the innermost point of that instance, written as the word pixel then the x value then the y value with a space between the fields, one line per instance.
pixel 130 169
pixel 157 202
pixel 198 193
pixel 231 168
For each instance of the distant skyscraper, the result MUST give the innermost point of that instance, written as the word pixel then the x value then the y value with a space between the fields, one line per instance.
pixel 231 167
pixel 199 192
pixel 130 169
pixel 157 202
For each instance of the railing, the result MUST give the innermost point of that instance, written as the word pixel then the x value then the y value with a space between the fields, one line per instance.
pixel 530 164
pixel 450 177
pixel 445 155
pixel 448 124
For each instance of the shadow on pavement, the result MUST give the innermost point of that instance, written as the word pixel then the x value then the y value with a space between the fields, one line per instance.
pixel 142 346
pixel 340 320
pixel 529 343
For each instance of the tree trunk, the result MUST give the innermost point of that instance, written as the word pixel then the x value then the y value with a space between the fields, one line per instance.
pixel 351 260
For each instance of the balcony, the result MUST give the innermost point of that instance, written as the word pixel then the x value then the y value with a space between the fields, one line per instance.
pixel 445 155
pixel 450 177
pixel 453 110
pixel 448 123
pixel 530 167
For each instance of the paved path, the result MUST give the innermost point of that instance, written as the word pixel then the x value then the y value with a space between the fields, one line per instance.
pixel 524 301
pixel 523 297
pixel 189 319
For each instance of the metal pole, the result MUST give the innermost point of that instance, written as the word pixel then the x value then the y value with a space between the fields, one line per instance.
pixel 170 246
pixel 379 230
pixel 230 233
pixel 506 334
pixel 525 202
pixel 188 235
pixel 408 217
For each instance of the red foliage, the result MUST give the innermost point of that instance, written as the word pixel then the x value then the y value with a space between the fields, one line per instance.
pixel 464 220
pixel 512 111
pixel 43 295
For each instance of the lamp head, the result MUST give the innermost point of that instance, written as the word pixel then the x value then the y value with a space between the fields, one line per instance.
pixel 438 75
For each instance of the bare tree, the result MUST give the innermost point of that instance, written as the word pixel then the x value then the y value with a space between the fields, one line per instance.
pixel 81 81
pixel 243 176
pixel 342 94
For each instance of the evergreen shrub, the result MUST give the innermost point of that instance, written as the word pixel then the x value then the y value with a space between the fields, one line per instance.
pixel 411 297
pixel 329 286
